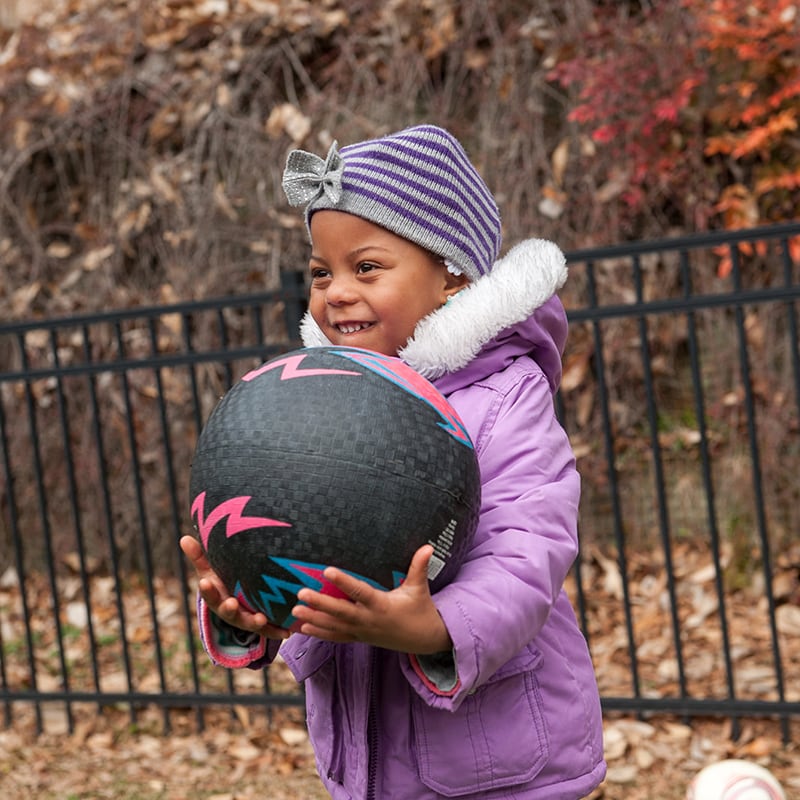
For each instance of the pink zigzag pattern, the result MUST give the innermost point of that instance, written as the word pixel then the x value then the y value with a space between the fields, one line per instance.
pixel 233 509
pixel 290 367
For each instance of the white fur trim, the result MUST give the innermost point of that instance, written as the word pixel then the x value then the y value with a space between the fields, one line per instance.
pixel 311 334
pixel 450 337
pixel 524 279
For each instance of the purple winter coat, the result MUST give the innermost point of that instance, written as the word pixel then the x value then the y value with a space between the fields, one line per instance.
pixel 514 711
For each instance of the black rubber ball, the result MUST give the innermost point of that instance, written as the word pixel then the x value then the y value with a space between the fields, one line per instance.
pixel 331 456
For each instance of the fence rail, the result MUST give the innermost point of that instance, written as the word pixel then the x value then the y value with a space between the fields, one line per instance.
pixel 681 395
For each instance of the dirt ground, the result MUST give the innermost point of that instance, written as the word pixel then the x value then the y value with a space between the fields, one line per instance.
pixel 240 757
pixel 249 752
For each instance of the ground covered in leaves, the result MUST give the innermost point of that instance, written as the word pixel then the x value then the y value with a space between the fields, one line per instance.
pixel 252 752
pixel 242 759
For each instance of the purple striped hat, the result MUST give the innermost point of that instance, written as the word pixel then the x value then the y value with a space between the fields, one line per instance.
pixel 418 183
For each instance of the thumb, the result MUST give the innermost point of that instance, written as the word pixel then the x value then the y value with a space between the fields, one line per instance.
pixel 418 570
pixel 193 551
pixel 191 548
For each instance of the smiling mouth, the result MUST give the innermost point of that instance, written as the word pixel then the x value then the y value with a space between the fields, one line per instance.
pixel 353 327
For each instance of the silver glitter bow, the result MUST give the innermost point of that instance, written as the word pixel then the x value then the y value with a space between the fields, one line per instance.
pixel 307 176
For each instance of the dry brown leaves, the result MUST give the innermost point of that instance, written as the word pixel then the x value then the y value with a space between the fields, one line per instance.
pixel 143 110
pixel 244 752
pixel 141 143
pixel 105 759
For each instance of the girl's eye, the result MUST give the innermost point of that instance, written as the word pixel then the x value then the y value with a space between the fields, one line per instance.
pixel 317 273
pixel 367 266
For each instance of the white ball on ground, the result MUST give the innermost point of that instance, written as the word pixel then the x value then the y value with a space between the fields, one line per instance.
pixel 734 779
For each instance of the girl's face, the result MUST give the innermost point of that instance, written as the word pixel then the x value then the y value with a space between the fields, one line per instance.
pixel 369 287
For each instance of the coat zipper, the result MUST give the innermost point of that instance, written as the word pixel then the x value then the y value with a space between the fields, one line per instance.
pixel 372 731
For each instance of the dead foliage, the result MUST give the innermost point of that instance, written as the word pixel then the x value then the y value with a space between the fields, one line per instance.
pixel 141 144
pixel 246 751
pixel 105 758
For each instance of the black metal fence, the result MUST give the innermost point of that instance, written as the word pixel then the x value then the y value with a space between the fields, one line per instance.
pixel 681 394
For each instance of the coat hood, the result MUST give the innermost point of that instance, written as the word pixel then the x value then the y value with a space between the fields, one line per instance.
pixel 506 313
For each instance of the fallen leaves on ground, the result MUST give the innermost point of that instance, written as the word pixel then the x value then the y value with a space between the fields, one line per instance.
pixel 243 751
pixel 106 757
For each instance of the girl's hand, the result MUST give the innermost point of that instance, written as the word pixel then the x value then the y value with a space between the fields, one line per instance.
pixel 403 619
pixel 220 601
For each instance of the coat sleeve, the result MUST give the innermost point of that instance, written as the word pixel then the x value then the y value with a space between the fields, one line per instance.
pixel 526 540
pixel 231 647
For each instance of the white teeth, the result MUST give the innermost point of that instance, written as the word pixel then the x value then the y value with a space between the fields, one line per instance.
pixel 351 328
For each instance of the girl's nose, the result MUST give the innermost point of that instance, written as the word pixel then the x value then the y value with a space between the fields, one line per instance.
pixel 341 291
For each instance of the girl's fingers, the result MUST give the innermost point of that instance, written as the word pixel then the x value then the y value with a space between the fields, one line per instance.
pixel 193 550
pixel 219 601
pixel 355 589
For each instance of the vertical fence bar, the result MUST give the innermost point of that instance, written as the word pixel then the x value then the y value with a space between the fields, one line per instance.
pixel 75 506
pixel 758 491
pixel 708 484
pixel 7 707
pixel 47 538
pixel 794 349
pixel 658 472
pixel 608 438
pixel 113 554
pixel 791 310
pixel 197 415
pixel 189 613
pixel 144 537
pixel 294 302
pixel 19 565
pixel 173 495
pixel 258 326
pixel 165 440
pixel 223 336
pixel 225 340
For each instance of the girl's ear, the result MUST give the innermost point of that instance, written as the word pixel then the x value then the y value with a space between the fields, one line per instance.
pixel 454 284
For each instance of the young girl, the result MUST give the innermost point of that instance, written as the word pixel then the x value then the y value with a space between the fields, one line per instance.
pixel 485 689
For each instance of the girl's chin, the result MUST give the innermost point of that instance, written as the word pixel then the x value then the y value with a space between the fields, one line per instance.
pixel 362 340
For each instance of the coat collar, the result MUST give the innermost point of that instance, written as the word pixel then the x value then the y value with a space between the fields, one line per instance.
pixel 450 337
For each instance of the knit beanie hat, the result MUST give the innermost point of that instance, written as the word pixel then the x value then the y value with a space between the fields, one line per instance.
pixel 417 183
